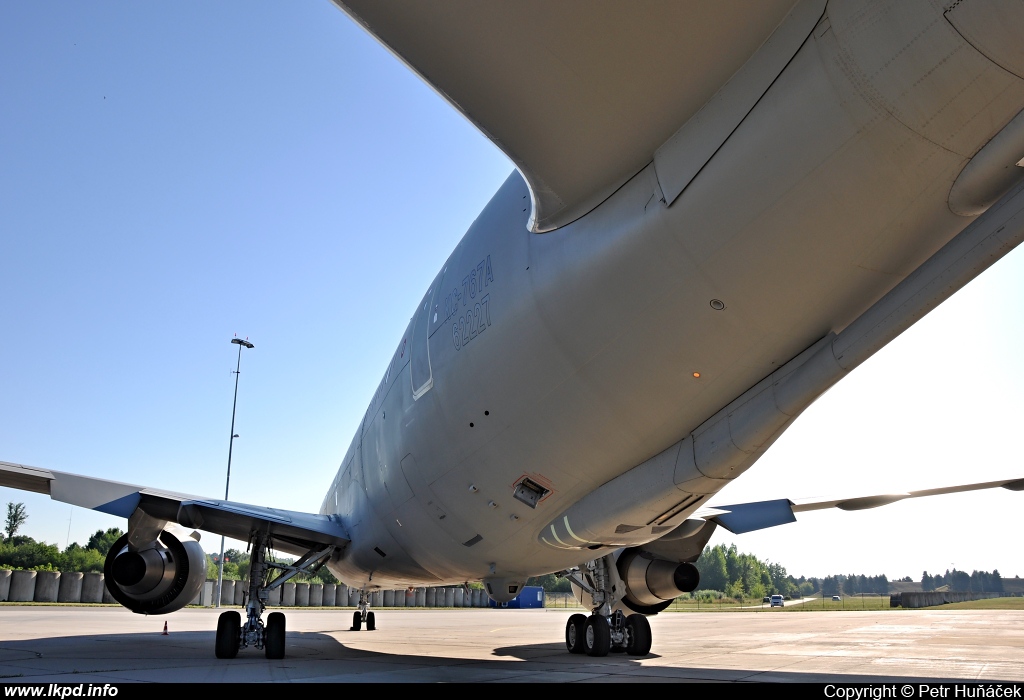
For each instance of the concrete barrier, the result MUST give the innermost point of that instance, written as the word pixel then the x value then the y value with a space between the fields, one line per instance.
pixel 74 587
pixel 47 585
pixel 107 598
pixel 227 592
pixel 92 588
pixel 70 588
pixel 206 593
pixel 927 599
pixel 23 586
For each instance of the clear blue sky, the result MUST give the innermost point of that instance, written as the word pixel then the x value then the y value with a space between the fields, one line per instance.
pixel 171 175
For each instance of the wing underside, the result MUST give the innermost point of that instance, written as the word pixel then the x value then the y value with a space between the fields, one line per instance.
pixel 747 517
pixel 293 532
pixel 582 94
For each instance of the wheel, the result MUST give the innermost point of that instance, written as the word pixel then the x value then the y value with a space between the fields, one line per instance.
pixel 371 623
pixel 598 639
pixel 638 634
pixel 575 631
pixel 357 621
pixel 229 627
pixel 273 645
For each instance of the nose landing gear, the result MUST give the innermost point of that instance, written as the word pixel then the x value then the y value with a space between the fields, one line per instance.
pixel 363 614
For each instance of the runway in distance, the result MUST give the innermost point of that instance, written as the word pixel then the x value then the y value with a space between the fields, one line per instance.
pixel 669 280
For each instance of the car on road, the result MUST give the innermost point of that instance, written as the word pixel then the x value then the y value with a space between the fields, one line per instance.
pixel 777 600
pixel 766 599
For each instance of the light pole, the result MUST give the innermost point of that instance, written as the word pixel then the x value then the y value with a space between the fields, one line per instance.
pixel 231 443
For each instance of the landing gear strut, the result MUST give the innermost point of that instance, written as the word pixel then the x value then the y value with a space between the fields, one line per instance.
pixel 231 633
pixel 363 614
pixel 606 629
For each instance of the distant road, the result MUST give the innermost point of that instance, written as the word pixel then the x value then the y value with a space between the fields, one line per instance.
pixel 788 602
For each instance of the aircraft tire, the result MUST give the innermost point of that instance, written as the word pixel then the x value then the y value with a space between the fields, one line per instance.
pixel 275 630
pixel 371 622
pixel 575 632
pixel 598 638
pixel 640 638
pixel 357 621
pixel 229 626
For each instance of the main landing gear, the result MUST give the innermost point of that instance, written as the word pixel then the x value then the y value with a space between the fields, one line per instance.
pixel 605 629
pixel 363 614
pixel 231 633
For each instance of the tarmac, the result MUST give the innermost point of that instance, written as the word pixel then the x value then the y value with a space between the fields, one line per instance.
pixel 112 645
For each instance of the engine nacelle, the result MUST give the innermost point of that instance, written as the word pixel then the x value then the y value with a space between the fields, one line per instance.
pixel 158 579
pixel 652 583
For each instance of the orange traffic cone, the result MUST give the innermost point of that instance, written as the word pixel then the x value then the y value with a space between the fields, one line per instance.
pixel 165 629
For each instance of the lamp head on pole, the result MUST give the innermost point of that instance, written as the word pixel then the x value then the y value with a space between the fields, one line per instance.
pixel 239 341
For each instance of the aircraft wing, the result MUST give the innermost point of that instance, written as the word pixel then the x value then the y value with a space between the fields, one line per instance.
pixel 747 517
pixel 292 532
pixel 583 94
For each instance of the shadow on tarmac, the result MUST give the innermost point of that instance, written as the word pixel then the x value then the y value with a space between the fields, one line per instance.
pixel 324 656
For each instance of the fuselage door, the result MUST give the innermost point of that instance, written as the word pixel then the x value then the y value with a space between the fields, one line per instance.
pixel 420 358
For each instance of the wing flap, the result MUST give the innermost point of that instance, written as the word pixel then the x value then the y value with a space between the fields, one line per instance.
pixel 23 478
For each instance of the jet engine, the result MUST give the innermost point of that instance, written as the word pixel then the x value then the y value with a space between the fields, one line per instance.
pixel 652 583
pixel 159 578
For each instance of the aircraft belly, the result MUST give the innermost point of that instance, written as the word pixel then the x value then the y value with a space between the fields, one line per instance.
pixel 584 362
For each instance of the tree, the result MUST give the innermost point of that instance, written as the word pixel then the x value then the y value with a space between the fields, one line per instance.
pixel 550 583
pixel 103 540
pixel 29 554
pixel 958 580
pixel 16 517
pixel 77 558
pixel 713 572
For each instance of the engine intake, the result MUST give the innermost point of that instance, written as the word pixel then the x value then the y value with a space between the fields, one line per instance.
pixel 652 583
pixel 160 579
